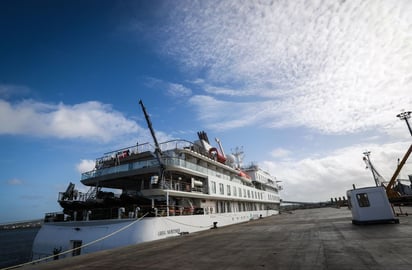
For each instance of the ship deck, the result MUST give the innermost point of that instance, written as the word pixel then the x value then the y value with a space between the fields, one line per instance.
pixel 322 238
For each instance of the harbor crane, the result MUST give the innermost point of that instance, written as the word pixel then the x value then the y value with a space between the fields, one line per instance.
pixel 393 195
pixel 379 180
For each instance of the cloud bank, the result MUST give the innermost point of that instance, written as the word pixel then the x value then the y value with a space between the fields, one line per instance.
pixel 320 178
pixel 90 120
pixel 337 66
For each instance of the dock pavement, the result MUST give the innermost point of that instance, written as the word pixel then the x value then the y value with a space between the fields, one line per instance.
pixel 322 238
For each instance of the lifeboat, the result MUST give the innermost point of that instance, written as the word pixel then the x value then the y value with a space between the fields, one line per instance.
pixel 219 157
pixel 245 177
pixel 243 174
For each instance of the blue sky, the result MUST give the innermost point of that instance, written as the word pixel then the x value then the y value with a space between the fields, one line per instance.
pixel 305 87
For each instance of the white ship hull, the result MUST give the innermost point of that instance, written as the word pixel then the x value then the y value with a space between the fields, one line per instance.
pixel 98 235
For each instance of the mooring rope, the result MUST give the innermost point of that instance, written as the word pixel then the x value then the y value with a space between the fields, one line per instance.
pixel 73 249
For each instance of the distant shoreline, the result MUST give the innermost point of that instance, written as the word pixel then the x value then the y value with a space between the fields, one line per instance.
pixel 22 225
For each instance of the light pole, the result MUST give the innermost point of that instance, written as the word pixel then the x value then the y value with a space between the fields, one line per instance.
pixel 405 116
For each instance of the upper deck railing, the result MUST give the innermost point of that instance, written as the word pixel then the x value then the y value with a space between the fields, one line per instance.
pixel 120 154
pixel 171 161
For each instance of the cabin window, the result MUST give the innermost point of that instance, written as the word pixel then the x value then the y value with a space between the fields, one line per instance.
pixel 234 191
pixel 228 190
pixel 221 189
pixel 240 192
pixel 229 207
pixel 221 207
pixel 76 246
pixel 363 200
pixel 213 187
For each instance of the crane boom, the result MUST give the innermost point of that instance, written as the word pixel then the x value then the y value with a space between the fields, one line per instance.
pixel 389 188
pixel 158 152
pixel 149 124
pixel 220 146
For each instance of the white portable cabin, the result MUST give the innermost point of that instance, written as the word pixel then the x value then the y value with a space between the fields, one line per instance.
pixel 370 205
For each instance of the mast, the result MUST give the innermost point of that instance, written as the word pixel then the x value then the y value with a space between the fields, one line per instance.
pixel 238 153
pixel 158 152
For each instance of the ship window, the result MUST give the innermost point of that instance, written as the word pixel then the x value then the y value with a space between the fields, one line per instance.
pixel 222 207
pixel 363 200
pixel 234 191
pixel 76 244
pixel 228 190
pixel 221 189
pixel 240 192
pixel 214 187
pixel 244 193
pixel 248 193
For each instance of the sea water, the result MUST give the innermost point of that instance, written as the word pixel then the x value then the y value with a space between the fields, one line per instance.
pixel 16 245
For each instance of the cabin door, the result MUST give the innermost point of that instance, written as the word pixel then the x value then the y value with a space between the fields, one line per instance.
pixel 76 244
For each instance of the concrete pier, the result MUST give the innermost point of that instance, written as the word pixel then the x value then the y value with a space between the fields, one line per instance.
pixel 321 238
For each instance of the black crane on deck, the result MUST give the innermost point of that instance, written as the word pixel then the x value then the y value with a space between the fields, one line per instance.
pixel 158 151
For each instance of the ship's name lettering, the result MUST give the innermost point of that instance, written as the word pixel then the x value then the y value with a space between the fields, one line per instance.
pixel 171 231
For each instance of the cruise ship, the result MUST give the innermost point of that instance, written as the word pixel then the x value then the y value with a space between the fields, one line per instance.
pixel 147 192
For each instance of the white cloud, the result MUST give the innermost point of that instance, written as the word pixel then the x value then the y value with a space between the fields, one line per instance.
pixel 280 153
pixel 85 165
pixel 90 120
pixel 334 66
pixel 14 182
pixel 225 115
pixel 320 178
pixel 171 89
pixel 178 90
pixel 8 90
